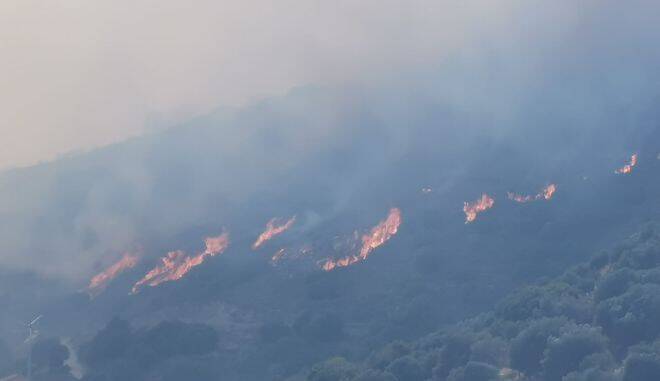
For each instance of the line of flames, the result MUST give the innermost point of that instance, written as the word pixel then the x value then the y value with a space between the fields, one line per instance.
pixel 472 209
pixel 628 167
pixel 378 235
pixel 100 281
pixel 272 230
pixel 545 194
pixel 176 264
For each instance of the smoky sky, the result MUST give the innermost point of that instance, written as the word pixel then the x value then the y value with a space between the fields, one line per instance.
pixel 319 99
pixel 76 74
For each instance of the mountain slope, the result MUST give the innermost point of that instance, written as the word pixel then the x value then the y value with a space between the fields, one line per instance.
pixel 597 321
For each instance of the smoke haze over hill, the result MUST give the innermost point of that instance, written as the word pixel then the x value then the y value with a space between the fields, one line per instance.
pixel 307 180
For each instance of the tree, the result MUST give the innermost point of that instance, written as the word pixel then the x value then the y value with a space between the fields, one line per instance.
pixel 565 353
pixel 641 367
pixel 375 375
pixel 527 348
pixel 335 369
pixel 389 353
pixel 455 353
pixel 633 316
pixel 108 344
pixel 475 371
pixel 406 368
pixel 319 327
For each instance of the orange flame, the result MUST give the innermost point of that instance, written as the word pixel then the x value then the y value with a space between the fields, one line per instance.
pixel 378 235
pixel 628 167
pixel 101 280
pixel 272 230
pixel 520 198
pixel 549 191
pixel 176 264
pixel 472 209
pixel 546 194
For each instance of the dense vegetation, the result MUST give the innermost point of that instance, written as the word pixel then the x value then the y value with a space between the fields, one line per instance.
pixel 168 351
pixel 596 322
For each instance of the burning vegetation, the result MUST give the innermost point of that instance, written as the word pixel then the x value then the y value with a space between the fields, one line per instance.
pixel 628 167
pixel 176 264
pixel 272 229
pixel 472 209
pixel 378 235
pixel 101 280
pixel 545 194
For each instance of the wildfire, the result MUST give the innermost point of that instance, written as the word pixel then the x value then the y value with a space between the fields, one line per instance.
pixel 628 167
pixel 272 230
pixel 520 198
pixel 101 280
pixel 549 191
pixel 176 264
pixel 378 235
pixel 546 194
pixel 472 209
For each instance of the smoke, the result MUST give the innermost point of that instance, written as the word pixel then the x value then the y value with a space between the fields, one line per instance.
pixel 405 95
pixel 88 74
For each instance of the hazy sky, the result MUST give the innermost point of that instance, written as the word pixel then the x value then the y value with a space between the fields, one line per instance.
pixel 76 74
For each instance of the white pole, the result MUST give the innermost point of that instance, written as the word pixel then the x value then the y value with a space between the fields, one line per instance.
pixel 29 363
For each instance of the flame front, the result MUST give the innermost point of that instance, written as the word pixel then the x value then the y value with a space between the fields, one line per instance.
pixel 520 198
pixel 272 230
pixel 378 235
pixel 546 194
pixel 471 209
pixel 101 280
pixel 628 167
pixel 549 191
pixel 176 264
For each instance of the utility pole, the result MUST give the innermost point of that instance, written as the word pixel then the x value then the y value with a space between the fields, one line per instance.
pixel 32 334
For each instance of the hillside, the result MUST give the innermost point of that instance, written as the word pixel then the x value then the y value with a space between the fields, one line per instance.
pixel 597 321
pixel 187 199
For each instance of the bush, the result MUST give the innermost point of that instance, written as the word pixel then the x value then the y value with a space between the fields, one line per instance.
pixel 320 327
pixel 271 332
pixel 335 369
pixel 591 375
pixel 406 368
pixel 528 347
pixel 108 344
pixel 375 375
pixel 385 356
pixel 614 284
pixel 633 316
pixel 641 367
pixel 490 351
pixel 475 371
pixel 455 353
pixel 565 353
pixel 178 338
